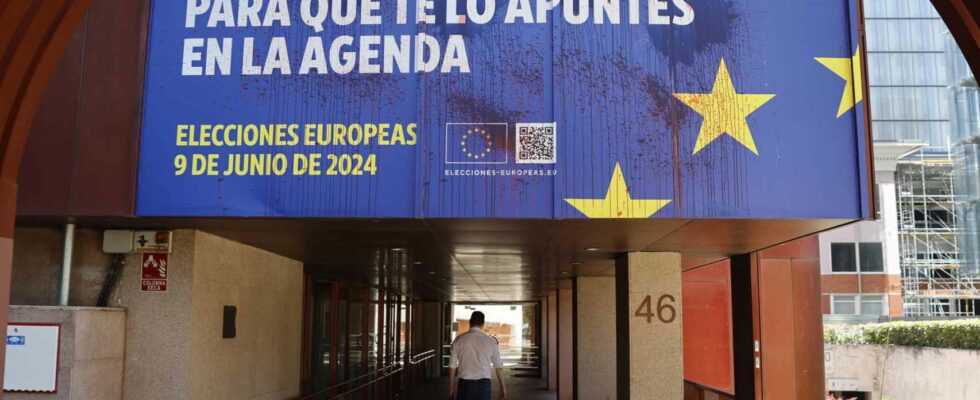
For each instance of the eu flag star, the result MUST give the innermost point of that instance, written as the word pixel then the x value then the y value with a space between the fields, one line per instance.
pixel 724 111
pixel 848 69
pixel 618 203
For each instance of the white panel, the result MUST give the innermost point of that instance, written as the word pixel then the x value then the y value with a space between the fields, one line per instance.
pixel 116 241
pixel 32 358
pixel 152 241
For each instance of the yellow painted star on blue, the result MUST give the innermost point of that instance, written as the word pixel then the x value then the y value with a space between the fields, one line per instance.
pixel 848 69
pixel 618 203
pixel 724 111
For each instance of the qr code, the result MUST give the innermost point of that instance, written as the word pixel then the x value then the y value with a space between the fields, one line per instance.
pixel 536 143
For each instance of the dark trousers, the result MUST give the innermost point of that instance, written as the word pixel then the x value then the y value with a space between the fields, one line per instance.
pixel 473 390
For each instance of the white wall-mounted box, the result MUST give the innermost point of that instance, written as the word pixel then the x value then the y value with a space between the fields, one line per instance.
pixel 31 364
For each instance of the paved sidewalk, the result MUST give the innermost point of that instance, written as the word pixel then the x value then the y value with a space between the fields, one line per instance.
pixel 518 389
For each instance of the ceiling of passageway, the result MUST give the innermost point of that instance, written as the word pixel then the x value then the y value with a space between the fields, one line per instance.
pixel 482 260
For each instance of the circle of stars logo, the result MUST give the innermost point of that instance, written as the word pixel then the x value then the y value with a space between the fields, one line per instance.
pixel 475 136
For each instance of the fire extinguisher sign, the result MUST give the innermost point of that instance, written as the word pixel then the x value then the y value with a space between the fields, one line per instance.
pixel 155 268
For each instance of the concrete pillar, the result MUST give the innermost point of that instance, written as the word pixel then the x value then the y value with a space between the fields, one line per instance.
pixel 596 337
pixel 888 209
pixel 174 343
pixel 649 326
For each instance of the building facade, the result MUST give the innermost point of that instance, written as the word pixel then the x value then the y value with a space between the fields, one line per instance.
pixel 923 110
pixel 860 264
pixel 341 283
pixel 966 127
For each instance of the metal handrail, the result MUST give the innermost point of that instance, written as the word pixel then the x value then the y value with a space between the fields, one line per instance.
pixel 422 357
pixel 384 373
pixel 350 381
pixel 383 377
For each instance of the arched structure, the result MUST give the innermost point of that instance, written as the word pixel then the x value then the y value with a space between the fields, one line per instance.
pixel 34 33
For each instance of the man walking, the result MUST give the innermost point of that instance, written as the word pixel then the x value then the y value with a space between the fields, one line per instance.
pixel 472 355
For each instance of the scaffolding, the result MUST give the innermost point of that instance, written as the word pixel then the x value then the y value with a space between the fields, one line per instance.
pixel 933 283
pixel 966 131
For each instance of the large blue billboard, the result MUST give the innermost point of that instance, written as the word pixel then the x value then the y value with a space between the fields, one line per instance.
pixel 503 109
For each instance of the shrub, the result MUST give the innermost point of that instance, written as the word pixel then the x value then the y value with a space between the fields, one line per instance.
pixel 958 334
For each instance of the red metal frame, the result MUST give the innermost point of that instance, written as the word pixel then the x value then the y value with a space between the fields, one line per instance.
pixel 872 188
pixel 392 379
pixel 335 314
pixel 306 373
pixel 708 341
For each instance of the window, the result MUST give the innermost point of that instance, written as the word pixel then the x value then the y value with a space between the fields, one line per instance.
pixel 842 257
pixel 873 305
pixel 871 257
pixel 852 304
pixel 843 304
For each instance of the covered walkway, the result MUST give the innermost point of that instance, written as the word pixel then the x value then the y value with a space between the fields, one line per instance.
pixel 518 388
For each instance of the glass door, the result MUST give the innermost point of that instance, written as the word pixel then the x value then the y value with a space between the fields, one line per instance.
pixel 323 336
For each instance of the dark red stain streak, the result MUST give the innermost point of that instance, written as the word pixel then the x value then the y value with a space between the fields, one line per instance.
pixel 609 83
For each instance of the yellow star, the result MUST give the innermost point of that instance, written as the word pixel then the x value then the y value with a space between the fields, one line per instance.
pixel 617 203
pixel 724 111
pixel 849 69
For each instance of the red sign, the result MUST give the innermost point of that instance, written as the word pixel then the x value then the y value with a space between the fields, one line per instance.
pixel 155 267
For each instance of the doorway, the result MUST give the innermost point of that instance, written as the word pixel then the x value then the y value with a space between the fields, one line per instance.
pixel 516 326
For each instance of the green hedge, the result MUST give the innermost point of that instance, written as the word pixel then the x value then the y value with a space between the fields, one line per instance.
pixel 957 334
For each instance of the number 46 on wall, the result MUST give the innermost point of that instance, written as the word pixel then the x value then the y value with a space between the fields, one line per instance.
pixel 665 312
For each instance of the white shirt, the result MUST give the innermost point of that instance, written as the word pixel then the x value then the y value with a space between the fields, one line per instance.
pixel 473 353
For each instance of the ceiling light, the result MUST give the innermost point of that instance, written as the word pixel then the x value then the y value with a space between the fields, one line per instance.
pixel 432 272
pixel 417 263
pixel 591 249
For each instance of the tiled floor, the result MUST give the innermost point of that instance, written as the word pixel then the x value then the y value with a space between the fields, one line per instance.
pixel 518 388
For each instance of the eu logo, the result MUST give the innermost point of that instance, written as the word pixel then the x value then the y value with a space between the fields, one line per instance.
pixel 476 143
